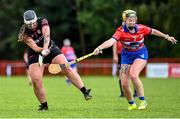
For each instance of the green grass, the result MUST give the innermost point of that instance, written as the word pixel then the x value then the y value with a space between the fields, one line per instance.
pixel 17 99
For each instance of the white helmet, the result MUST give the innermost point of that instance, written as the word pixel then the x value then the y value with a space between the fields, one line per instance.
pixel 29 17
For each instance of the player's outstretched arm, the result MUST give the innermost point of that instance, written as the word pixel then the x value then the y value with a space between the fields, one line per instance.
pixel 104 45
pixel 115 54
pixel 30 42
pixel 166 36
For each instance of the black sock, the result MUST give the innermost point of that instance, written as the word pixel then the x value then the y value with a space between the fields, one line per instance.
pixel 44 104
pixel 83 90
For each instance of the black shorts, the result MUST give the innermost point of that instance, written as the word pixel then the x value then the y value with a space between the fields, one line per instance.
pixel 119 61
pixel 33 58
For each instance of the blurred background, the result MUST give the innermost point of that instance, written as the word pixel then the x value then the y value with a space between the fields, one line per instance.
pixel 88 23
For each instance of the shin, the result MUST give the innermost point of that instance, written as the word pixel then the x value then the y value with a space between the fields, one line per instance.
pixel 36 74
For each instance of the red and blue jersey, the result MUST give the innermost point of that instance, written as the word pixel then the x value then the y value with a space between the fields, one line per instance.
pixel 68 52
pixel 132 41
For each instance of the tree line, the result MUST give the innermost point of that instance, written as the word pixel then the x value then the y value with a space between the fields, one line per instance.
pixel 88 23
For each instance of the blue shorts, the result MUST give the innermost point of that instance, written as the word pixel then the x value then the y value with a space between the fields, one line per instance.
pixel 72 65
pixel 128 57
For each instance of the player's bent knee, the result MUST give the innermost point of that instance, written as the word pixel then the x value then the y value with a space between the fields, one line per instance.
pixel 125 85
pixel 133 76
pixel 65 69
pixel 37 83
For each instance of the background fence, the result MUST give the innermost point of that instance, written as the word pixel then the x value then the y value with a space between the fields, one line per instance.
pixel 90 67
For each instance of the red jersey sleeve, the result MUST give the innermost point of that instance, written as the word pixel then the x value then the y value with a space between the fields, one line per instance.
pixel 117 34
pixel 72 49
pixel 147 30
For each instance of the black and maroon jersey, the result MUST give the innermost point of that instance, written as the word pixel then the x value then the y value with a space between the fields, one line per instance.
pixel 37 35
pixel 38 38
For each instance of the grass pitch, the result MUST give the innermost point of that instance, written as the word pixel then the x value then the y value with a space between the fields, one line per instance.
pixel 17 99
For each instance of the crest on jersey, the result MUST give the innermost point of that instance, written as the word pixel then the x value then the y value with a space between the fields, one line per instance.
pixel 39 31
pixel 141 36
pixel 134 38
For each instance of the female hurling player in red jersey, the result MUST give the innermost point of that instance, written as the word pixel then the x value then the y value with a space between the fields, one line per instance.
pixel 134 54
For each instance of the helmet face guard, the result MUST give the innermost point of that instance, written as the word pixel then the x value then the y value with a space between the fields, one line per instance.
pixel 30 19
